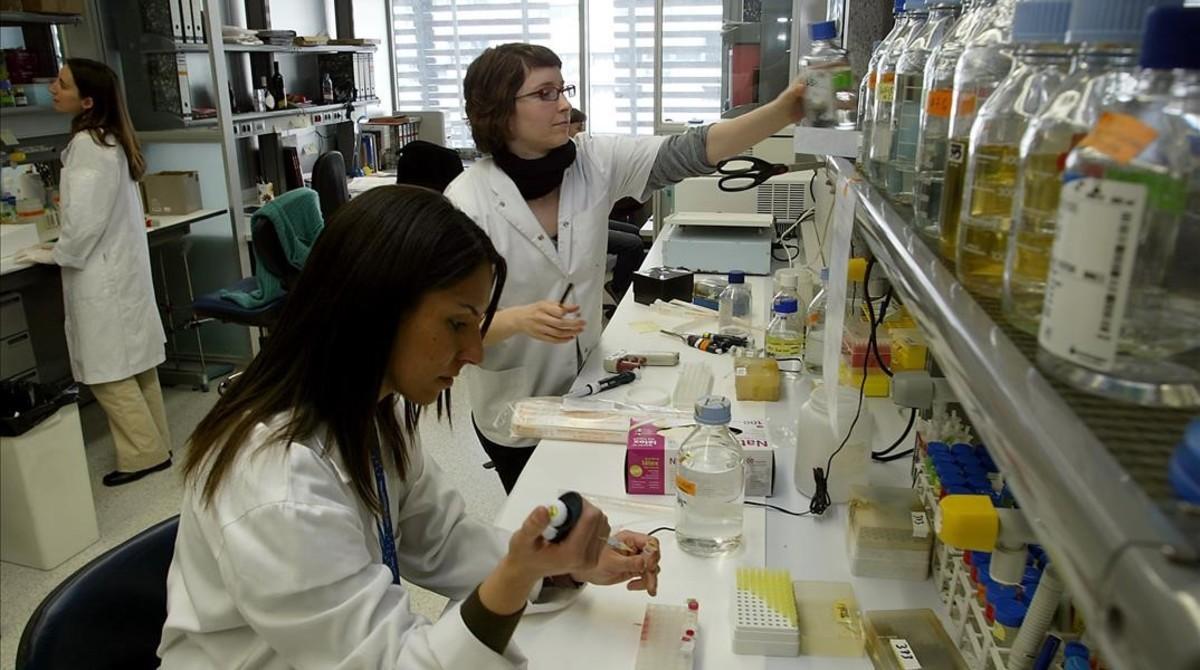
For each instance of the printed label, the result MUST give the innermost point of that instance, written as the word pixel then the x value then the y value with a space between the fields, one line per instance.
pixel 1120 137
pixel 841 612
pixel 939 102
pixel 965 105
pixel 1091 268
pixel 920 525
pixel 740 372
pixel 905 654
pixel 870 82
pixel 956 153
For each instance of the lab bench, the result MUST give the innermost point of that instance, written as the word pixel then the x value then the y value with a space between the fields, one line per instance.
pixel 601 630
pixel 33 345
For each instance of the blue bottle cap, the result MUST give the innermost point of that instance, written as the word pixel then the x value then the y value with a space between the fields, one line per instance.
pixel 942 447
pixel 737 277
pixel 962 452
pixel 981 558
pixel 1076 649
pixel 1010 612
pixel 953 479
pixel 997 592
pixel 1040 21
pixel 898 7
pixel 1031 575
pixel 824 30
pixel 1191 435
pixel 1110 21
pixel 1169 42
pixel 713 410
pixel 1184 470
pixel 786 306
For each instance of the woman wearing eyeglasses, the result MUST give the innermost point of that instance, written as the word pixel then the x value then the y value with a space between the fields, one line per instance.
pixel 544 199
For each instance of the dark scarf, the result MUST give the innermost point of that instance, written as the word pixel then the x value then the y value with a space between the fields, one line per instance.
pixel 538 177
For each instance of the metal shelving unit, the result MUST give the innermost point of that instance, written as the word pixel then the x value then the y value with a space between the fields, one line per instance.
pixel 158 46
pixel 1089 473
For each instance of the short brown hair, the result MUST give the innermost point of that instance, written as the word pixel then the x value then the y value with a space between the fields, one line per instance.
pixel 491 85
pixel 577 116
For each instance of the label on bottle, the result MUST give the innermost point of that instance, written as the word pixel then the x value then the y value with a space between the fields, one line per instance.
pixel 956 152
pixel 905 654
pixel 887 87
pixel 1091 269
pixel 871 80
pixel 685 485
pixel 939 103
pixel 1120 137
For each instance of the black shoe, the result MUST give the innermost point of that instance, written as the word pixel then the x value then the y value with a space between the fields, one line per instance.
pixel 117 478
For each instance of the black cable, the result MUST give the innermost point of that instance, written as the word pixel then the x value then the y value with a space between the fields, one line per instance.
pixel 777 509
pixel 873 341
pixel 659 529
pixel 885 455
pixel 821 501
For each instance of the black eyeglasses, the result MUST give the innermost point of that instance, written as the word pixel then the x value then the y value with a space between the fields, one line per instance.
pixel 550 93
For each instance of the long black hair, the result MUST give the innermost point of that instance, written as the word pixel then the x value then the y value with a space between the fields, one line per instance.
pixel 108 115
pixel 325 362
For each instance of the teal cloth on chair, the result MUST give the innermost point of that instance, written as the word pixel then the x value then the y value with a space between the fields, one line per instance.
pixel 296 217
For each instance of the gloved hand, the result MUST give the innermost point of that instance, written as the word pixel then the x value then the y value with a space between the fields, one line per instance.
pixel 38 253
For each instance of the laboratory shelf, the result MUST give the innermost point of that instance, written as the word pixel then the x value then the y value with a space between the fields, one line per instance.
pixel 25 18
pixel 1090 473
pixel 156 44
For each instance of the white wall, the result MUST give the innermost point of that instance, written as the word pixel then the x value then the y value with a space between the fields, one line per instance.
pixel 371 21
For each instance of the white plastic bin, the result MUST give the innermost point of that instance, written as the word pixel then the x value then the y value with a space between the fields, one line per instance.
pixel 46 509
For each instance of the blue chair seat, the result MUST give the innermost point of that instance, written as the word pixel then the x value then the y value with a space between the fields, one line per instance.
pixel 109 615
pixel 213 306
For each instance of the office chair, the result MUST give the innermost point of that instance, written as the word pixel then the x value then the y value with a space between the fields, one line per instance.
pixel 329 181
pixel 422 163
pixel 109 614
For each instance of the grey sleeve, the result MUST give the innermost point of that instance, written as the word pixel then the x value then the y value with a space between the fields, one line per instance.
pixel 680 157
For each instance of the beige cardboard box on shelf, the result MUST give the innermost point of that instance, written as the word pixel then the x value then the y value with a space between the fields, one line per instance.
pixel 52 6
pixel 171 193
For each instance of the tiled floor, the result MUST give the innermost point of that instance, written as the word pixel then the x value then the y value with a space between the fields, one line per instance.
pixel 124 511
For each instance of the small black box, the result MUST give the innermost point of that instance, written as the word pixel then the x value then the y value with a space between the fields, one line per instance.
pixel 664 284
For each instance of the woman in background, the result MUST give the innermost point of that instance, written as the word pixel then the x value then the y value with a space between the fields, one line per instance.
pixel 114 333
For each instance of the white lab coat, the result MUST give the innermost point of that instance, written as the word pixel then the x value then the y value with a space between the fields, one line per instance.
pixel 284 569
pixel 605 170
pixel 112 324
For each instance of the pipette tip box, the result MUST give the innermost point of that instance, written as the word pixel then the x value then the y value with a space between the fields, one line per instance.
pixel 765 621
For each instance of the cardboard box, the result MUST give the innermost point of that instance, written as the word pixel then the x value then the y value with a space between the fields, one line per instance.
pixel 651 458
pixel 11 5
pixel 171 193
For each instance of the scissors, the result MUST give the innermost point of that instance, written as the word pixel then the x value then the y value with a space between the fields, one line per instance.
pixel 742 173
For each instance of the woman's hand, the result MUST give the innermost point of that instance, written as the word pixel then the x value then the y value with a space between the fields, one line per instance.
pixel 531 557
pixel 792 101
pixel 550 321
pixel 38 253
pixel 639 569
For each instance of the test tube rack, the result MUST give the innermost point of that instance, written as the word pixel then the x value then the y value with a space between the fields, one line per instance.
pixel 969 627
pixel 668 639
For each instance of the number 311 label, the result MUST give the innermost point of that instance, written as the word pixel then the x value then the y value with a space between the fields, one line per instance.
pixel 905 654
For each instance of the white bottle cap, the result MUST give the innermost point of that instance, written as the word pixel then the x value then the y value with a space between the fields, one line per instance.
pixel 558 516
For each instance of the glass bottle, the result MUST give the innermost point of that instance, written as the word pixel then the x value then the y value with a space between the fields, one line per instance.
pixel 734 303
pixel 1042 61
pixel 866 92
pixel 936 101
pixel 1122 311
pixel 277 89
pixel 829 99
pixel 1104 69
pixel 785 334
pixel 885 92
pixel 710 484
pixel 906 107
pixel 814 327
pixel 984 63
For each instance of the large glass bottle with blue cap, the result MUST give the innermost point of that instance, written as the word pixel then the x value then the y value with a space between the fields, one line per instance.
pixel 866 91
pixel 984 63
pixel 1108 34
pixel 710 483
pixel 906 106
pixel 1122 311
pixel 936 103
pixel 879 143
pixel 1042 62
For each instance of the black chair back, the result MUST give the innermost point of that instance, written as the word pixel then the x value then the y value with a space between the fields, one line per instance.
pixel 108 615
pixel 422 163
pixel 329 181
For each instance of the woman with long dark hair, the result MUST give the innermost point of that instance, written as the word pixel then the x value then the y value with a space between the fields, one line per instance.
pixel 308 503
pixel 114 333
